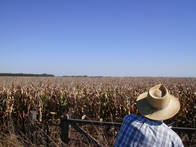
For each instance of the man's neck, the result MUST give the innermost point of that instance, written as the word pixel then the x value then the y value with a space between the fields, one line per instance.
pixel 150 119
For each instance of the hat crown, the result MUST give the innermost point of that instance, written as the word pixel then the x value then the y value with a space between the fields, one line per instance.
pixel 158 91
pixel 158 96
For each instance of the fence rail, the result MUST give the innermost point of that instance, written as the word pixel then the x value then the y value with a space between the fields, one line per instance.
pixel 66 123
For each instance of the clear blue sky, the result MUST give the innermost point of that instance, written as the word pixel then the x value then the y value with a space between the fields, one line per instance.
pixel 98 37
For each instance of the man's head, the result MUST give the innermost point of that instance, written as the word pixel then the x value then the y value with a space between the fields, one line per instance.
pixel 157 103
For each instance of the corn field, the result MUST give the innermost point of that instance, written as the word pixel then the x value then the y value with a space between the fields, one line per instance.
pixel 90 98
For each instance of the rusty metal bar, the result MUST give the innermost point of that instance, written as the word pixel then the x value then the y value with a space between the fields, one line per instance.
pixel 81 131
pixel 183 129
pixel 115 124
pixel 90 122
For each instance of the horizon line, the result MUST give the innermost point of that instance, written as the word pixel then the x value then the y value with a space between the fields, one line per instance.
pixel 54 75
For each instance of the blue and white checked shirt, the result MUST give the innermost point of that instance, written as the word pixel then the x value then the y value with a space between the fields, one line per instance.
pixel 138 131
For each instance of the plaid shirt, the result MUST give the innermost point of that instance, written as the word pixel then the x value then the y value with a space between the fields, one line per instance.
pixel 137 131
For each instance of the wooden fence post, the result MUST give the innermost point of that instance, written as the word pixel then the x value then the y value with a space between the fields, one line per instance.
pixel 47 134
pixel 31 132
pixel 64 129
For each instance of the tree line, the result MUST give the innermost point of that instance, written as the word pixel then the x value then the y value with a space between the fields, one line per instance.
pixel 26 75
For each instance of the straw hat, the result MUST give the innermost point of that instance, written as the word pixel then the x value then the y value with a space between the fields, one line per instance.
pixel 157 103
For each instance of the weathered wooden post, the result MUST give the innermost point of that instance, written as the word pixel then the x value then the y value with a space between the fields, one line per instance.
pixel 64 129
pixel 32 118
pixel 47 134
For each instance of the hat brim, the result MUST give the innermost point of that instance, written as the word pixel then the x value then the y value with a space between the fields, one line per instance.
pixel 148 111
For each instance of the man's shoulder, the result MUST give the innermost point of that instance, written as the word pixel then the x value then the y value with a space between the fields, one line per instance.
pixel 172 133
pixel 158 126
pixel 139 130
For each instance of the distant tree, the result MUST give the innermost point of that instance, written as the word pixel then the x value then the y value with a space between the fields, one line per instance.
pixel 26 75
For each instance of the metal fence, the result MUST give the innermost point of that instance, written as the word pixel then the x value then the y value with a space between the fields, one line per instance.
pixel 66 123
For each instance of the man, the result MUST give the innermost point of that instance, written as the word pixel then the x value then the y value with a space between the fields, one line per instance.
pixel 148 130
